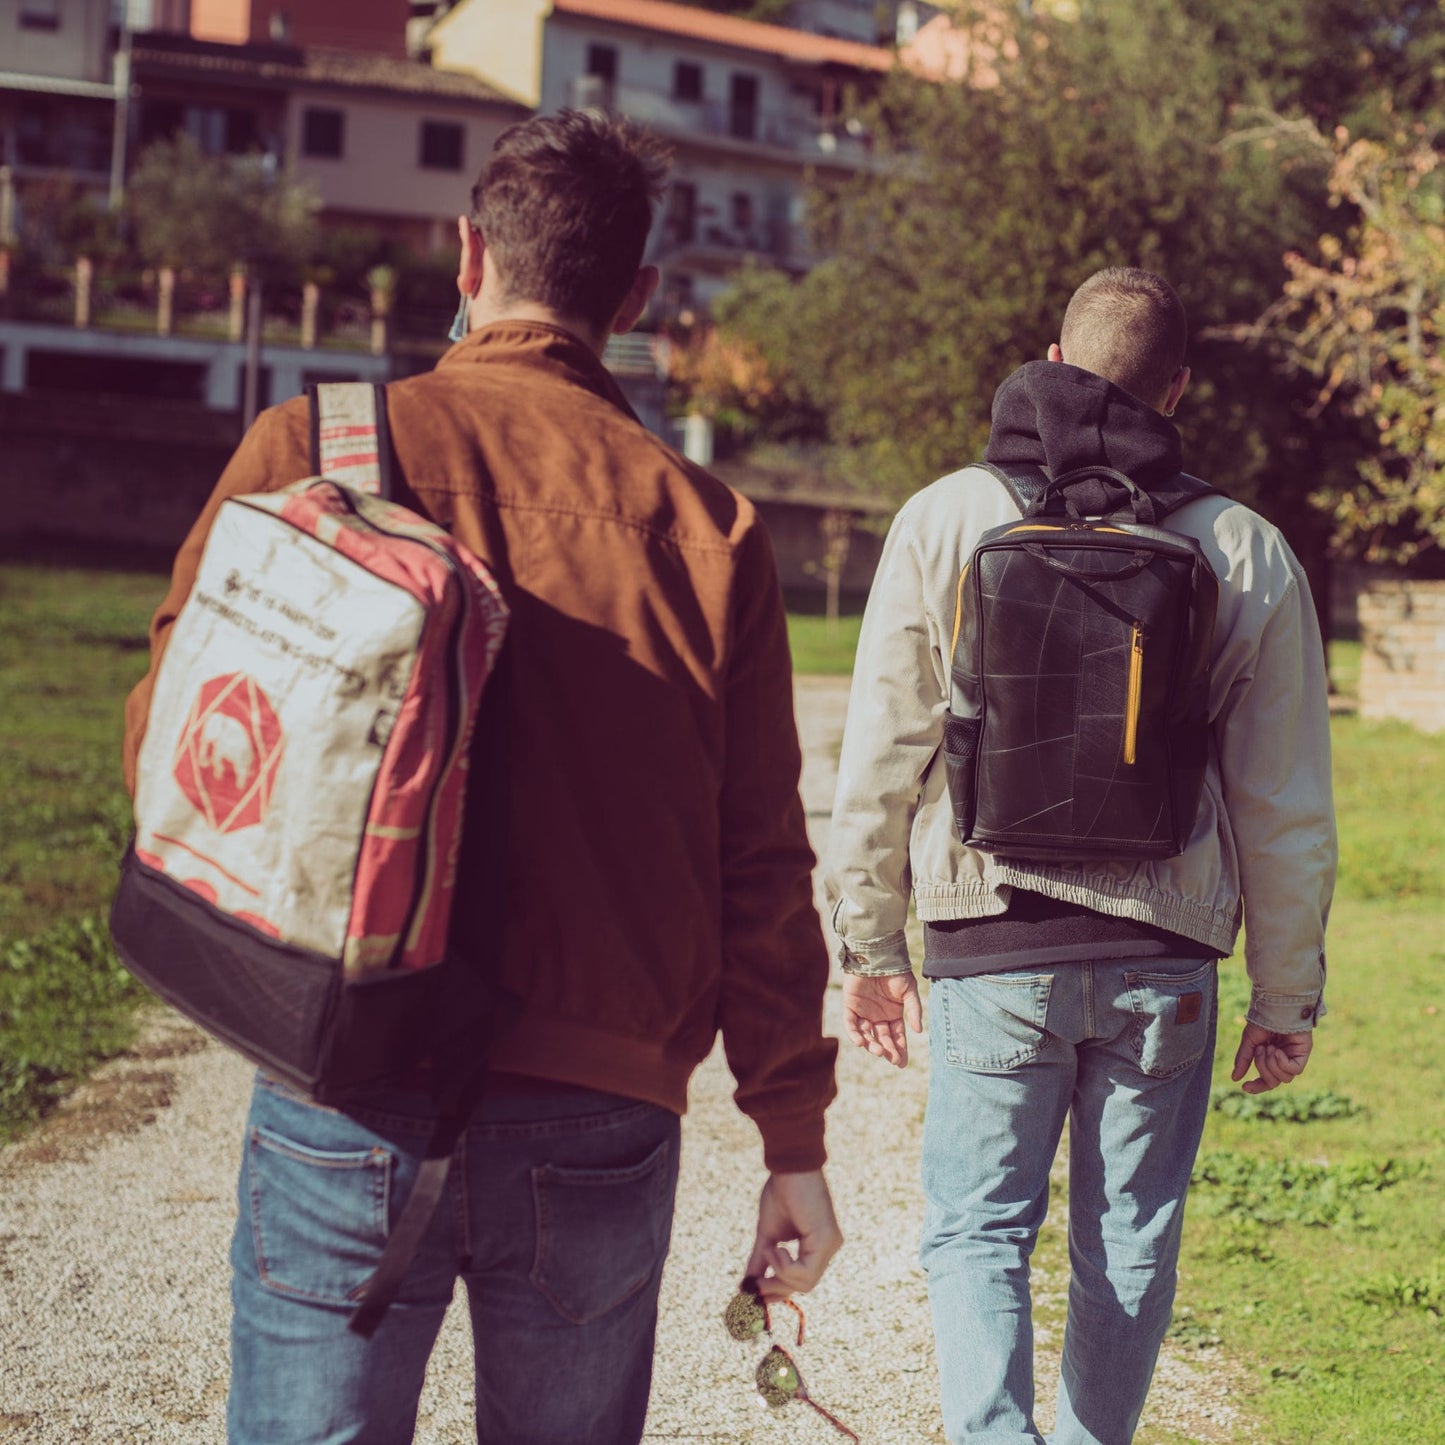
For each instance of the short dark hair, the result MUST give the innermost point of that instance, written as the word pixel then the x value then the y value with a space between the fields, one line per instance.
pixel 564 205
pixel 1129 327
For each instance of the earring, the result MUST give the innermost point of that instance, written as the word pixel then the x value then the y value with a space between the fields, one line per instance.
pixel 1170 412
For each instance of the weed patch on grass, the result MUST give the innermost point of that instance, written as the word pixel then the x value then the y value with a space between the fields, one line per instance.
pixel 1282 1105
pixel 65 1002
pixel 1407 1291
pixel 1288 1191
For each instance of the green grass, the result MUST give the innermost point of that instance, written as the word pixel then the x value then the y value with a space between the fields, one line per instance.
pixel 1345 667
pixel 820 646
pixel 72 642
pixel 1315 1246
pixel 1315 1249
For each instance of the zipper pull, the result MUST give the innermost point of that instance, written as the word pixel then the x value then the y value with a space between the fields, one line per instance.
pixel 1133 694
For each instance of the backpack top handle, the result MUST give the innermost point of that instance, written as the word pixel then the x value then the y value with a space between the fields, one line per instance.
pixel 1139 500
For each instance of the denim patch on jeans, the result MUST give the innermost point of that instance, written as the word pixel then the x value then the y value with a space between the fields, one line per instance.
pixel 1122 1049
pixel 557 1216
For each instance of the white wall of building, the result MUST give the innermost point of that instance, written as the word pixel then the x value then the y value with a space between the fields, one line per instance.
pixel 379 170
pixel 500 41
pixel 646 75
pixel 74 48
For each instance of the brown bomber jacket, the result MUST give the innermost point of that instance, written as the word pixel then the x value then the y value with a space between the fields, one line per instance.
pixel 660 874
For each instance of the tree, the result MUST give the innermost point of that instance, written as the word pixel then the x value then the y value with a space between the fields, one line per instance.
pixel 1101 133
pixel 1367 322
pixel 204 212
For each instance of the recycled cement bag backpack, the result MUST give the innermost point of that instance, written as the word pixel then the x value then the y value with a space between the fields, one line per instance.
pixel 1079 725
pixel 301 785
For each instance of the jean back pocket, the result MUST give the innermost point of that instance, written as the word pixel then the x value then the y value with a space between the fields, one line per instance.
pixel 1173 1017
pixel 601 1233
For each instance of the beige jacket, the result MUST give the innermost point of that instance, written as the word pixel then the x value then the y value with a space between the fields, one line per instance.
pixel 1263 846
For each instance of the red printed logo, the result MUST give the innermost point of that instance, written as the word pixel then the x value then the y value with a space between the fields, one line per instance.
pixel 229 751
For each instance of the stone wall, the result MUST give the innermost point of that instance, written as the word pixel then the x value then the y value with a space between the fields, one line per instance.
pixel 1402 669
pixel 124 470
pixel 131 473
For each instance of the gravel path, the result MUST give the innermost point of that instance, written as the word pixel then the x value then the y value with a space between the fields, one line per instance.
pixel 115 1219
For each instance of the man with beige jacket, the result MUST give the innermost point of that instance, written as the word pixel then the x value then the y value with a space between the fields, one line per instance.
pixel 1078 991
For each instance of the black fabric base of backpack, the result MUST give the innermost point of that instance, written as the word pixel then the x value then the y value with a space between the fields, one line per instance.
pixel 287 1010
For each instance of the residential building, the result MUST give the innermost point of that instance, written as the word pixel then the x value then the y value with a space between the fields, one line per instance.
pixel 752 111
pixel 385 141
pixel 57 100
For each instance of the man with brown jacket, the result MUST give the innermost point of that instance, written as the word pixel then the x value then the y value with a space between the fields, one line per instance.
pixel 659 871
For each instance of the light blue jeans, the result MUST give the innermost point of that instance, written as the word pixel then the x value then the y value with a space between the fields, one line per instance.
pixel 557 1215
pixel 1123 1049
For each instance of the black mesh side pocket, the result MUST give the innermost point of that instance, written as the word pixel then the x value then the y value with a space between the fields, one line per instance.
pixel 960 755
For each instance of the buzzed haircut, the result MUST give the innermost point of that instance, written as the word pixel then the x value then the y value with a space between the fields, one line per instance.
pixel 564 205
pixel 1127 326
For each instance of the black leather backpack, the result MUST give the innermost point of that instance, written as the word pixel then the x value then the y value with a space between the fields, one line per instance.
pixel 1079 724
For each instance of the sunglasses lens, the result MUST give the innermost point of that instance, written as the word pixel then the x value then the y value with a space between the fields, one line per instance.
pixel 745 1316
pixel 778 1379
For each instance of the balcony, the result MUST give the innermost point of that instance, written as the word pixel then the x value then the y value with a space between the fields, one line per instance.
pixel 799 132
pixel 714 250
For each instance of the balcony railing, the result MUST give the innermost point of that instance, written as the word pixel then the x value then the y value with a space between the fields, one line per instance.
pixel 782 242
pixel 791 130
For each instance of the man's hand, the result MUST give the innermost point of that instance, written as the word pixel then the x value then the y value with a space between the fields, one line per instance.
pixel 1277 1058
pixel 793 1208
pixel 875 1011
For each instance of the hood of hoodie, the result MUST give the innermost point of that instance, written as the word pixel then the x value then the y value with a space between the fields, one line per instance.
pixel 1060 417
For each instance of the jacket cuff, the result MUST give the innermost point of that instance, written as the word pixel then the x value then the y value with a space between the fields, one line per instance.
pixel 793 1144
pixel 875 957
pixel 1285 1013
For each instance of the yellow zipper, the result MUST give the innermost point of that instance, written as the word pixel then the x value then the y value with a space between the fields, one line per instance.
pixel 1136 688
pixel 957 614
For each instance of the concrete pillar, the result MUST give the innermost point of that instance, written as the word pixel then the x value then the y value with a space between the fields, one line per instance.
pixel 84 281
pixel 236 322
pixel 697 438
pixel 12 363
pixel 223 379
pixel 166 300
pixel 285 378
pixel 310 307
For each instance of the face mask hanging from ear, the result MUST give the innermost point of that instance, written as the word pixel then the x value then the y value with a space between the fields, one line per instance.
pixel 462 323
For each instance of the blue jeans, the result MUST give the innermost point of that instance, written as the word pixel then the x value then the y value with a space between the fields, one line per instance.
pixel 1123 1049
pixel 557 1215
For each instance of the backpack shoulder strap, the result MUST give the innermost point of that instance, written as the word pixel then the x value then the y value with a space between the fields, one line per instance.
pixel 1180 488
pixel 349 438
pixel 1024 482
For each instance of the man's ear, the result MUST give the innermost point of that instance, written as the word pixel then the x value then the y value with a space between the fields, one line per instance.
pixel 469 271
pixel 635 302
pixel 1176 390
pixel 1054 353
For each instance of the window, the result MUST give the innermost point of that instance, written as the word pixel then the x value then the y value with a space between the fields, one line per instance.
pixel 323 133
pixel 681 219
pixel 223 130
pixel 686 81
pixel 40 14
pixel 441 145
pixel 602 61
pixel 742 211
pixel 743 106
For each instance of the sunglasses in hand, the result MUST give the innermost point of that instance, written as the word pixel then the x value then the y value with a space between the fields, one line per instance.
pixel 748 1316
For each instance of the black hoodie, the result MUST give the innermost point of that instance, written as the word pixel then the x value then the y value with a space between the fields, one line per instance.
pixel 1058 416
